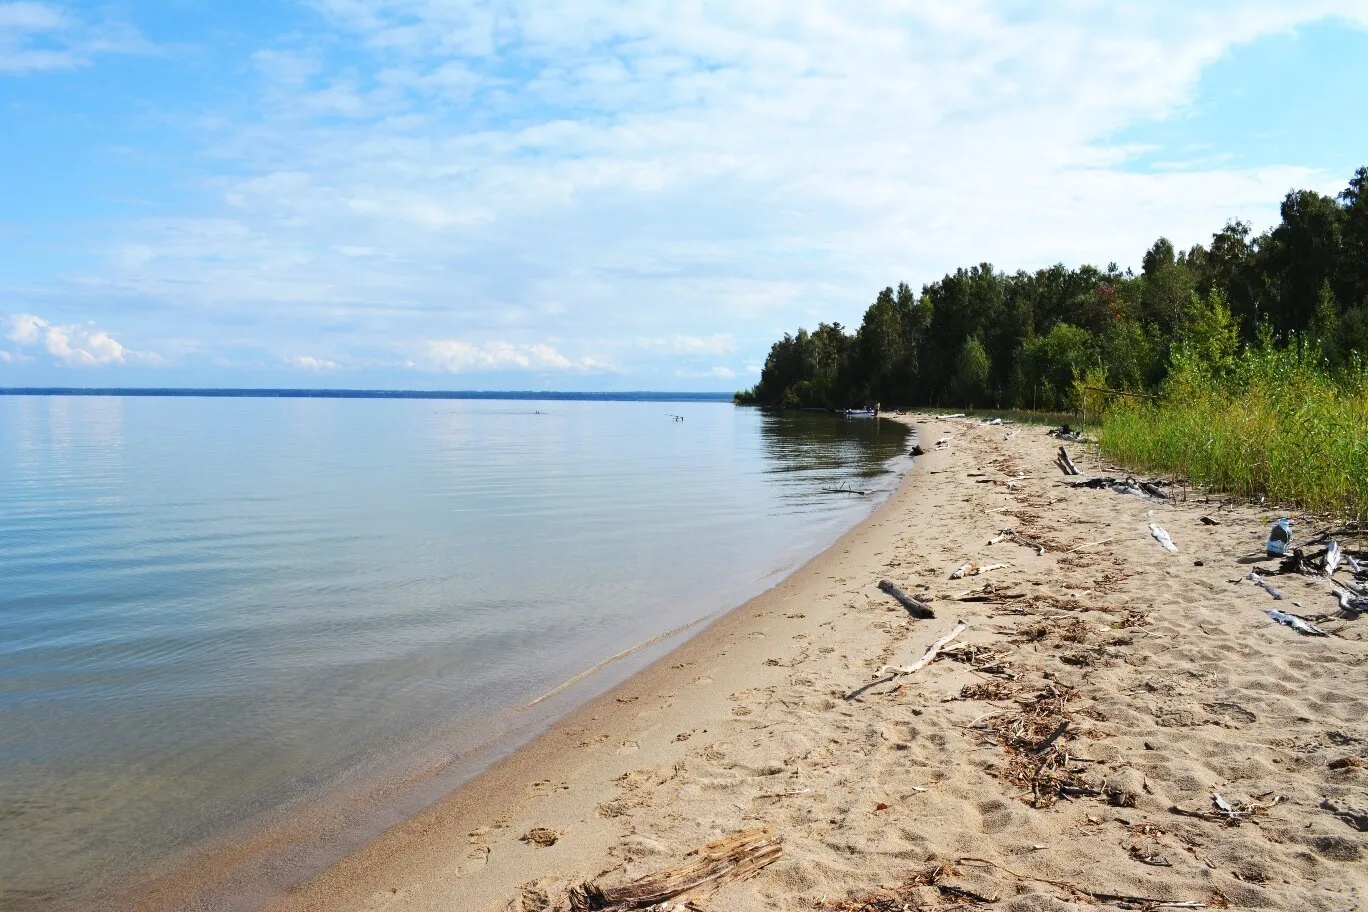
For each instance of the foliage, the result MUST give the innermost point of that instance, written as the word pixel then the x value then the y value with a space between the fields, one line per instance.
pixel 971 373
pixel 988 338
pixel 1270 421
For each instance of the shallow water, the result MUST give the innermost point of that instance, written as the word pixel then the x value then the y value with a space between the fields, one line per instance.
pixel 213 610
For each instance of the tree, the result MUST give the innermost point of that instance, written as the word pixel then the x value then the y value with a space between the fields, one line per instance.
pixel 1352 272
pixel 1298 256
pixel 971 373
pixel 1209 334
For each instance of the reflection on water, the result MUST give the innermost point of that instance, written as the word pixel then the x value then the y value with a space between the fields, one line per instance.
pixel 216 611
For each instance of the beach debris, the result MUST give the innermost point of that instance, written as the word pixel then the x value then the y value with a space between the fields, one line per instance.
pixel 1279 538
pixel 915 608
pixel 1099 482
pixel 845 490
pixel 1066 464
pixel 1161 536
pixel 927 657
pixel 1148 857
pixel 1089 545
pixel 1291 620
pixel 974 569
pixel 541 837
pixel 907 895
pixel 1350 604
pixel 1153 490
pixel 993 422
pixel 943 442
pixel 1128 900
pixel 1356 817
pixel 1064 433
pixel 1263 584
pixel 1333 555
pixel 1014 535
pixel 722 861
pixel 917 451
pixel 1228 813
pixel 1208 521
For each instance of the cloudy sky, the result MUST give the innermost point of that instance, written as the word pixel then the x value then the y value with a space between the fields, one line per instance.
pixel 527 194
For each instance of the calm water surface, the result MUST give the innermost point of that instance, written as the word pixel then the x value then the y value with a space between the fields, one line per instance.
pixel 216 613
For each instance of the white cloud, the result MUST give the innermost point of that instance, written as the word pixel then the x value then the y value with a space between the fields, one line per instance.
pixel 72 345
pixel 722 343
pixel 5 357
pixel 43 36
pixel 310 363
pixel 719 372
pixel 456 357
pixel 692 175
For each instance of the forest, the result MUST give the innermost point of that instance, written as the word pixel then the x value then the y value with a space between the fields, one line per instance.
pixel 986 338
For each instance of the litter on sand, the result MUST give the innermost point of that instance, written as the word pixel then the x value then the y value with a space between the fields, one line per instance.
pixel 1161 536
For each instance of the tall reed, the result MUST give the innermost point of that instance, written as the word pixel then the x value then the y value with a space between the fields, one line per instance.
pixel 1271 422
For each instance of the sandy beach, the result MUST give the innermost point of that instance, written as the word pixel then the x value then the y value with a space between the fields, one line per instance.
pixel 1062 753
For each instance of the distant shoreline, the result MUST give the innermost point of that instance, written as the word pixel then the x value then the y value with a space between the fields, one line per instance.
pixel 519 395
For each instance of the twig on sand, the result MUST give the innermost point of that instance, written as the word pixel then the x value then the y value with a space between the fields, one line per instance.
pixel 1263 584
pixel 1020 539
pixel 972 569
pixel 1098 895
pixel 1091 545
pixel 929 656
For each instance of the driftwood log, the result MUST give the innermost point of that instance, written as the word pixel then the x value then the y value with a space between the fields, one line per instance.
pixel 733 857
pixel 915 608
pixel 1065 463
pixel 929 656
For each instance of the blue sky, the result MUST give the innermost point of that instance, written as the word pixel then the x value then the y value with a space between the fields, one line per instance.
pixel 607 195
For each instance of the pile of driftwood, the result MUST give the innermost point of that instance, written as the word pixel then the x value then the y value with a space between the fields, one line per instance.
pixel 1035 738
pixel 1350 590
pixel 1127 485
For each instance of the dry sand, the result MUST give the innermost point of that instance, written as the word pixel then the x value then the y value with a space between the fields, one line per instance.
pixel 1174 681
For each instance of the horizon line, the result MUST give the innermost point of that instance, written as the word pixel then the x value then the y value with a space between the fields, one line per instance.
pixel 331 393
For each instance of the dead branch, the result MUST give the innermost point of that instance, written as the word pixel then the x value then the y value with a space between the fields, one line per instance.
pixel 929 656
pixel 734 857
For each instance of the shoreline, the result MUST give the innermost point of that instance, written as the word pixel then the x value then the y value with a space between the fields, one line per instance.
pixel 1161 678
pixel 350 882
pixel 260 863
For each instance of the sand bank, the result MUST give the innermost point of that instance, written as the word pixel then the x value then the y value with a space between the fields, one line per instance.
pixel 945 784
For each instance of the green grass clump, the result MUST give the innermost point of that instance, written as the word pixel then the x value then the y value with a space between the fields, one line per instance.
pixel 1269 422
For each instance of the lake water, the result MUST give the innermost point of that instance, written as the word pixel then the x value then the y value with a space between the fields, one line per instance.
pixel 216 614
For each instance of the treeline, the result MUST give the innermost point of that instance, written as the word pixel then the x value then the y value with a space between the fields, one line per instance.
pixel 984 338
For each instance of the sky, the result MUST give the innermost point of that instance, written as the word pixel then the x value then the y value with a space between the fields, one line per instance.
pixel 604 195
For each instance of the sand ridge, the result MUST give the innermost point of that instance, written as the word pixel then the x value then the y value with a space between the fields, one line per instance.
pixel 961 783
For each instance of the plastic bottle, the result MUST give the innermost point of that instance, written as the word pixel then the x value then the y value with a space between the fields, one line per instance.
pixel 1279 538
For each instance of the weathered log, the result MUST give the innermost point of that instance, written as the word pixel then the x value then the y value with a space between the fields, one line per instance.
pixel 731 858
pixel 1066 464
pixel 929 656
pixel 915 608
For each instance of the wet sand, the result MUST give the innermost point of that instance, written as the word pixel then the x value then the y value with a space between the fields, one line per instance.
pixel 945 785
